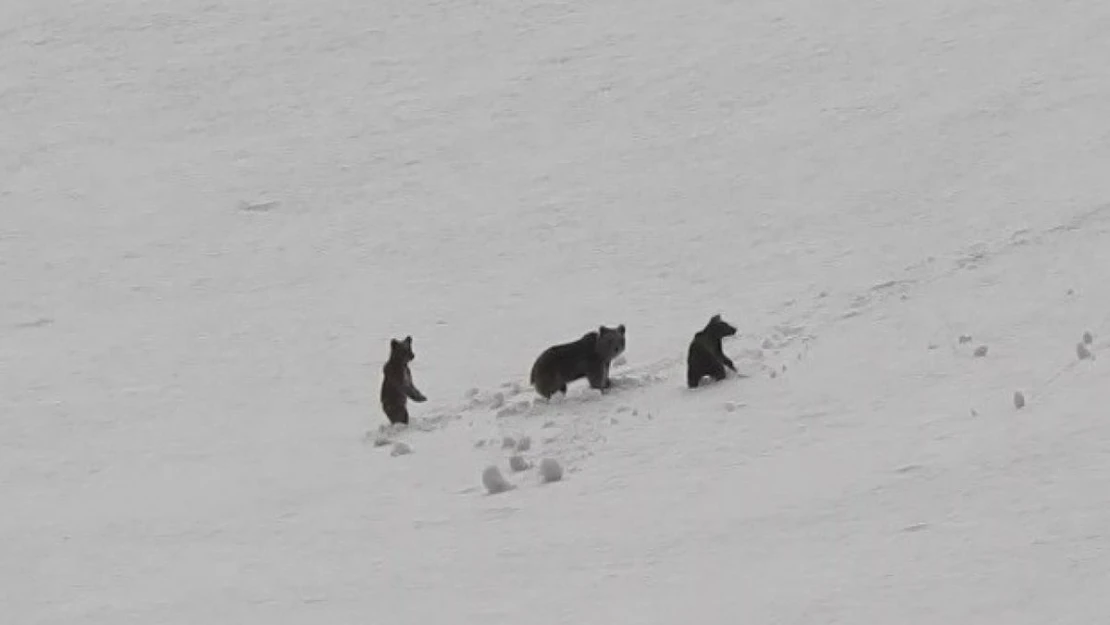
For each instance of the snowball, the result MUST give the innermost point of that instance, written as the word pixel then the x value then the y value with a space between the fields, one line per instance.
pixel 550 470
pixel 1082 351
pixel 400 449
pixel 518 464
pixel 494 482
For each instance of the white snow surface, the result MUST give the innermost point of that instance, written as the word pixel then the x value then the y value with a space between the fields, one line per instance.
pixel 215 215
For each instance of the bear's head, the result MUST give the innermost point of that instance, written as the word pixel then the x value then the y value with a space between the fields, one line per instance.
pixel 719 328
pixel 610 341
pixel 401 351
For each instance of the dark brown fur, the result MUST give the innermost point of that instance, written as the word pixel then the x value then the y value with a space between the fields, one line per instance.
pixel 705 356
pixel 589 357
pixel 397 386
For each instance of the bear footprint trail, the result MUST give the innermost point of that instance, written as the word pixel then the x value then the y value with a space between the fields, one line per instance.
pixel 567 431
pixel 770 354
pixel 572 425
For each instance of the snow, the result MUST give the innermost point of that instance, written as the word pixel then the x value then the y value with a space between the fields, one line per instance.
pixel 214 216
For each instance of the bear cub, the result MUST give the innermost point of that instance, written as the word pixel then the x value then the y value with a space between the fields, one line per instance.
pixel 397 386
pixel 705 356
pixel 589 357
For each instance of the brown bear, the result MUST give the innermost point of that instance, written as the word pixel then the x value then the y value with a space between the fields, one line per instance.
pixel 397 386
pixel 705 356
pixel 589 357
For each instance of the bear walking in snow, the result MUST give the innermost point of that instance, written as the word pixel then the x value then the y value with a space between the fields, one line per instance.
pixel 705 356
pixel 397 386
pixel 589 357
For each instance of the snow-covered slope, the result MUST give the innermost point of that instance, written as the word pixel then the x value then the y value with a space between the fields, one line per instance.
pixel 213 217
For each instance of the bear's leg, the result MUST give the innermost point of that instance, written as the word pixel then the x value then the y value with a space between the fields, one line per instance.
pixel 397 413
pixel 558 384
pixel 693 377
pixel 414 394
pixel 545 385
pixel 596 377
pixel 717 371
pixel 698 365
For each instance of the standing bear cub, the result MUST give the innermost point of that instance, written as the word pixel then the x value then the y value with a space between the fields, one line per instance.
pixel 589 357
pixel 705 356
pixel 397 386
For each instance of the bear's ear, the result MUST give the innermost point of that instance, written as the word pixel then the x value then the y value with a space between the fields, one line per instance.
pixel 600 330
pixel 620 329
pixel 716 317
pixel 393 344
